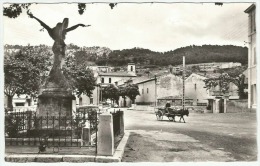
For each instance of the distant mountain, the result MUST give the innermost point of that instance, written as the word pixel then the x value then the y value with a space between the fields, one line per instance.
pixel 193 54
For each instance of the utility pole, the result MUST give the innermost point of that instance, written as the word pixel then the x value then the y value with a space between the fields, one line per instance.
pixel 155 96
pixel 183 84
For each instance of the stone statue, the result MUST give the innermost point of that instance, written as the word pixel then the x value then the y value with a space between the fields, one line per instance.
pixel 57 33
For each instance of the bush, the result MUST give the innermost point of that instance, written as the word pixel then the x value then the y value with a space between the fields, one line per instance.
pixel 12 125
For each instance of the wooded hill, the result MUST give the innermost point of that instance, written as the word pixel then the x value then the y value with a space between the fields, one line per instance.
pixel 194 54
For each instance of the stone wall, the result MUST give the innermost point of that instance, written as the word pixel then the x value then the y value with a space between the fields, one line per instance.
pixel 234 106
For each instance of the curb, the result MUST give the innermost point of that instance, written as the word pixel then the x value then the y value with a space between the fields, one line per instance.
pixel 117 157
pixel 121 147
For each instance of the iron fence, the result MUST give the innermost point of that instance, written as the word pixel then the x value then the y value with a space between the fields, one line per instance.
pixel 26 128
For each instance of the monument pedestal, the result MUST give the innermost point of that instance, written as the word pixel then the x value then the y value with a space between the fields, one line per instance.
pixel 55 103
pixel 54 112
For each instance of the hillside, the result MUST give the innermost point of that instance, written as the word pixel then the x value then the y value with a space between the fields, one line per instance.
pixel 145 57
pixel 193 54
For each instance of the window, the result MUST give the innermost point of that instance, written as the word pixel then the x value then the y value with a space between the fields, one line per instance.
pixel 147 90
pixel 102 80
pixel 131 68
pixel 91 100
pixel 80 101
pixel 195 86
pixel 109 80
pixel 19 104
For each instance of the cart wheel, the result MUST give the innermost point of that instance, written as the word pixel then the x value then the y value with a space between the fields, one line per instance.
pixel 170 118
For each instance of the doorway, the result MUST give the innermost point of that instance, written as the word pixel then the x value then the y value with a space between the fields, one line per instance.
pixel 221 106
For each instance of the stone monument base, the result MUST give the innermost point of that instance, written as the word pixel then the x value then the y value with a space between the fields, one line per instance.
pixel 55 103
pixel 54 110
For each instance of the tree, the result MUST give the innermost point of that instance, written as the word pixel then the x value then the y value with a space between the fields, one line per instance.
pixel 81 57
pixel 80 77
pixel 15 9
pixel 239 81
pixel 238 78
pixel 25 71
pixel 122 92
pixel 195 68
pixel 132 91
pixel 222 81
pixel 111 92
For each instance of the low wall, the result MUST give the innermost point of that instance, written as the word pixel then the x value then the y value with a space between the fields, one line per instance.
pixel 192 109
pixel 234 106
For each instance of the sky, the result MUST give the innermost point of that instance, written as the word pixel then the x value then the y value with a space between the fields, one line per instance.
pixel 158 26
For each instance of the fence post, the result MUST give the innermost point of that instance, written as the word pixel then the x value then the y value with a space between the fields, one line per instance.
pixel 85 136
pixel 105 135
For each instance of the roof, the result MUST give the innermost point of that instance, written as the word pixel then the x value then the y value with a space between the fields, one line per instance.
pixel 211 75
pixel 118 74
pixel 250 8
pixel 140 79
pixel 144 81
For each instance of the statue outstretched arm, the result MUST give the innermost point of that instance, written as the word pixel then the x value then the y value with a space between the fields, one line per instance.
pixel 42 23
pixel 76 26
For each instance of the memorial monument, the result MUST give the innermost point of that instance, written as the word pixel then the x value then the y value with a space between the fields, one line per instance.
pixel 56 96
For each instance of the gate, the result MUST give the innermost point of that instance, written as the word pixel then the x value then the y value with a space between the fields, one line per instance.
pixel 27 129
pixel 221 106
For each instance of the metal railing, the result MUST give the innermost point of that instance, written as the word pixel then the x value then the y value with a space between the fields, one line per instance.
pixel 26 128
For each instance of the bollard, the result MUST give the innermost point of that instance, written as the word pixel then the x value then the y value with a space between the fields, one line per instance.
pixel 85 136
pixel 105 138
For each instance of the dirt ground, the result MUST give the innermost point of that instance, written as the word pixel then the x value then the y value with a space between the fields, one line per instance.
pixel 143 147
pixel 205 137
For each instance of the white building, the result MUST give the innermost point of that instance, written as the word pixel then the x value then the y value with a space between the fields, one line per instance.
pixel 104 77
pixel 252 93
pixel 215 65
pixel 22 103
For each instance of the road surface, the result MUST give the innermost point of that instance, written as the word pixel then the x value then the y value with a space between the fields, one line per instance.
pixel 204 137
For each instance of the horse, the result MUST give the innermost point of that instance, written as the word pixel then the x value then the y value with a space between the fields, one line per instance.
pixel 179 112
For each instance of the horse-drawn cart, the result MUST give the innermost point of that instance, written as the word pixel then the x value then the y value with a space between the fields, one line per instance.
pixel 170 113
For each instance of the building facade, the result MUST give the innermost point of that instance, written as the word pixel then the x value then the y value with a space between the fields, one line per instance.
pixel 148 92
pixel 170 85
pixel 252 92
pixel 194 89
pixel 104 77
pixel 22 102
